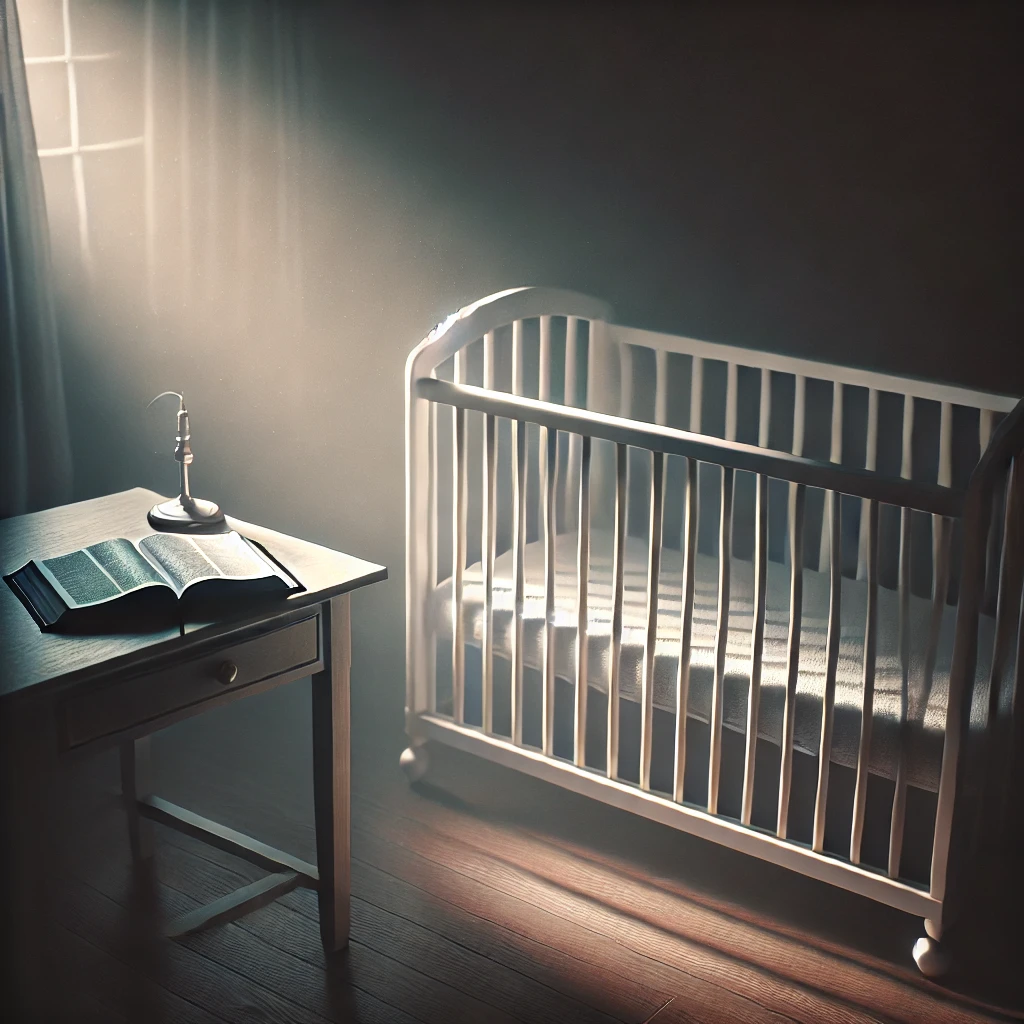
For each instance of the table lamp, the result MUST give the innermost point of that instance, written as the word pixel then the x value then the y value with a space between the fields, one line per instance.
pixel 184 513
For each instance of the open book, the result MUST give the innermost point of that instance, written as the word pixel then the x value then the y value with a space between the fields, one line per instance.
pixel 161 574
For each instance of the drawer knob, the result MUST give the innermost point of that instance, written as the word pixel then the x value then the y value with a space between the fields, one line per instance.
pixel 227 672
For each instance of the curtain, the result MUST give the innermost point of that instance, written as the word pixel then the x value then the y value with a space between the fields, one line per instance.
pixel 34 439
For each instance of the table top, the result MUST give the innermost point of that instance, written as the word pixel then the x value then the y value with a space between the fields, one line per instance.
pixel 32 661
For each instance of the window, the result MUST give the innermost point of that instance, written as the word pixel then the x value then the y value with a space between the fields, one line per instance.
pixel 171 166
pixel 77 57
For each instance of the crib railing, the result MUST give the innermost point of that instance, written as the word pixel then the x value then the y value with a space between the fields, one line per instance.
pixel 698 449
pixel 978 508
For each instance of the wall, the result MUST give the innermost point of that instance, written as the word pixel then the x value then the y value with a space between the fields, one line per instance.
pixel 836 183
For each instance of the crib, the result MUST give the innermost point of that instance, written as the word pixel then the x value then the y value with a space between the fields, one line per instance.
pixel 772 602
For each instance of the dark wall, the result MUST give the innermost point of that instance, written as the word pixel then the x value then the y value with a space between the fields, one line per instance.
pixel 840 182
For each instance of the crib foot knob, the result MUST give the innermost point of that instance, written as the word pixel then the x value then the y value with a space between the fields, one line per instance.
pixel 414 762
pixel 931 957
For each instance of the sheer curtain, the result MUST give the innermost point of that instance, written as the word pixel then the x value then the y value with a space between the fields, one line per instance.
pixel 36 464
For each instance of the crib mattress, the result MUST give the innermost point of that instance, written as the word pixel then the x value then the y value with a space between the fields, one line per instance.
pixel 926 717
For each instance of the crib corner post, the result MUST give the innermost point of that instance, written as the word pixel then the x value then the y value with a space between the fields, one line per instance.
pixel 420 568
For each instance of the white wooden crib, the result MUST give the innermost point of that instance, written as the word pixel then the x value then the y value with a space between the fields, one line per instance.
pixel 791 628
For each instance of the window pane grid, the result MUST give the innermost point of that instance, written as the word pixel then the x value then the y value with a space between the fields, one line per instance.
pixel 76 150
pixel 78 133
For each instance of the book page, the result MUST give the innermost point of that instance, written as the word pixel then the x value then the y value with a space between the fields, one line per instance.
pixel 187 560
pixel 178 558
pixel 80 578
pixel 100 572
pixel 234 556
pixel 123 563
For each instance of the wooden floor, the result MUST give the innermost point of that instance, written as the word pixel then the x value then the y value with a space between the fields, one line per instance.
pixel 481 896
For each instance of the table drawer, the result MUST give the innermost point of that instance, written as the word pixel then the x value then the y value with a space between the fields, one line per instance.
pixel 292 650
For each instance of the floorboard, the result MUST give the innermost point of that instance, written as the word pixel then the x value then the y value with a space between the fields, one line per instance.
pixel 533 943
pixel 478 897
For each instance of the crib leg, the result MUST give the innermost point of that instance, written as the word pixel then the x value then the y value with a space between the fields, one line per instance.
pixel 931 957
pixel 414 761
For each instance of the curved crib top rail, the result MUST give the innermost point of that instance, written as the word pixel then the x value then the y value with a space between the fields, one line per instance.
pixel 503 308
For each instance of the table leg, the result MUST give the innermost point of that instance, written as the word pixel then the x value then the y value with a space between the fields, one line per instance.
pixel 136 783
pixel 30 861
pixel 331 737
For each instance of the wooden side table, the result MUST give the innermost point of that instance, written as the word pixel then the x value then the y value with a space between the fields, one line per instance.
pixel 63 697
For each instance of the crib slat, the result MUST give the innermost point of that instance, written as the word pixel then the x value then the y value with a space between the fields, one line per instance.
pixel 459 501
pixel 696 393
pixel 986 424
pixel 433 528
pixel 550 472
pixel 571 399
pixel 907 461
pixel 517 358
pixel 836 450
pixel 831 664
pixel 618 567
pixel 799 423
pixel 519 439
pixel 835 455
pixel 942 536
pixel 661 387
pixel 518 576
pixel 696 416
pixel 760 594
pixel 626 368
pixel 685 628
pixel 721 637
pixel 986 420
pixel 797 504
pixel 899 800
pixel 870 462
pixel 799 414
pixel 489 368
pixel 942 532
pixel 519 388
pixel 544 374
pixel 731 399
pixel 945 474
pixel 765 409
pixel 650 639
pixel 900 795
pixel 944 478
pixel 626 381
pixel 582 580
pixel 657 505
pixel 489 522
pixel 571 362
pixel 756 640
pixel 867 712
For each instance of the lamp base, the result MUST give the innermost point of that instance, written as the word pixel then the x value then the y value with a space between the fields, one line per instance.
pixel 195 517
